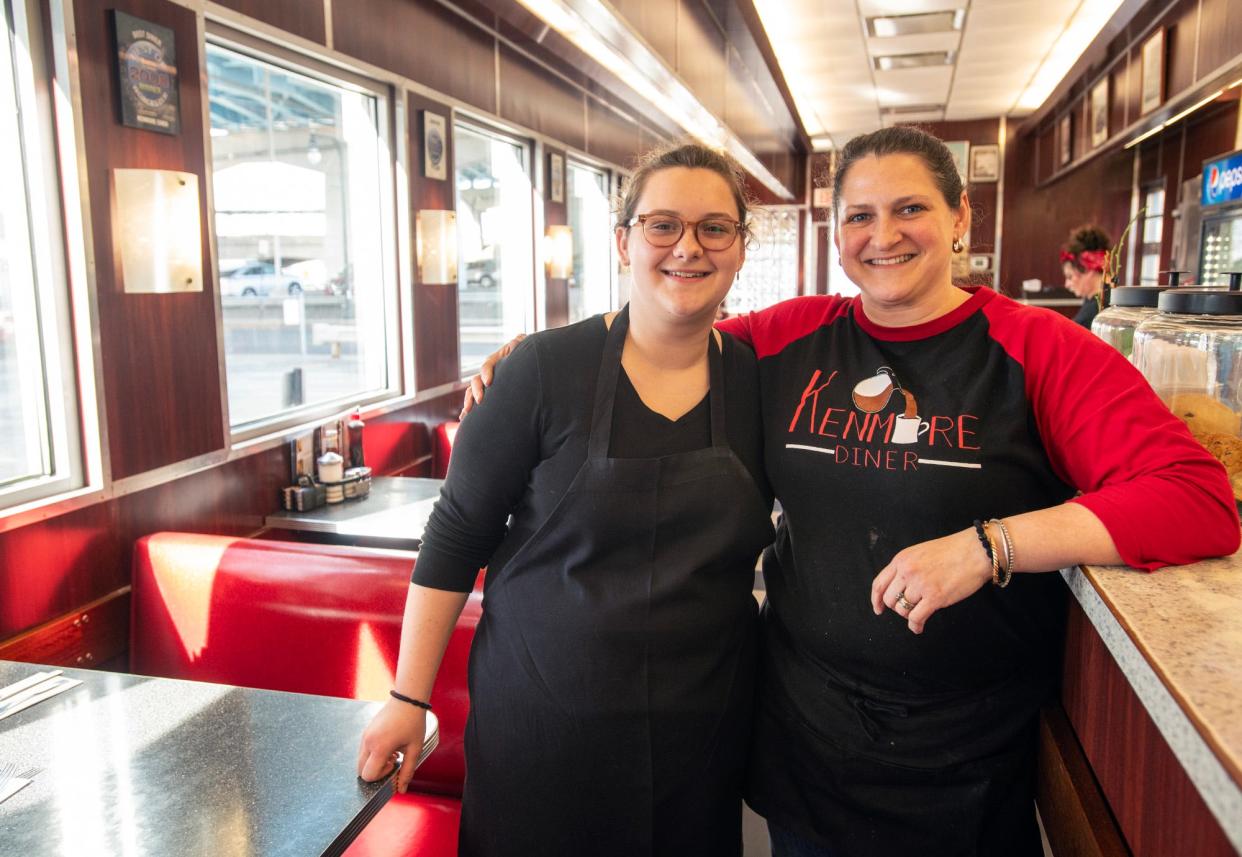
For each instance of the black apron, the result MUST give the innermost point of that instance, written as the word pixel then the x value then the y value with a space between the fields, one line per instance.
pixel 943 775
pixel 611 676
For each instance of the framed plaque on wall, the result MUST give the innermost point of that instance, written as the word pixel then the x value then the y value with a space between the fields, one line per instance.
pixel 1153 73
pixel 147 60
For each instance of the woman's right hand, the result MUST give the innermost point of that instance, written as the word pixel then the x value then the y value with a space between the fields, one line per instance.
pixel 397 727
pixel 474 392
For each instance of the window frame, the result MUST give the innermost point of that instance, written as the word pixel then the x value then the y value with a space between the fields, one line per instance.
pixel 390 125
pixel 532 154
pixel 609 185
pixel 1141 245
pixel 48 101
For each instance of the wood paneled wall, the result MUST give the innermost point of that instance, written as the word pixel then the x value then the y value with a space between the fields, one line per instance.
pixel 159 352
pixel 1039 216
pixel 436 356
pixel 1038 219
pixel 1202 39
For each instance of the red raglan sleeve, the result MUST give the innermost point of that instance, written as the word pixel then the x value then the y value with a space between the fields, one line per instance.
pixel 769 330
pixel 1162 497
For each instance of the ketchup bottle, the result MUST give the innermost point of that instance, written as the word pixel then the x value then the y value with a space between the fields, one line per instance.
pixel 355 426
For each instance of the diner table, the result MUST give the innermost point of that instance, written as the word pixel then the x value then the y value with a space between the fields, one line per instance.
pixel 393 515
pixel 131 766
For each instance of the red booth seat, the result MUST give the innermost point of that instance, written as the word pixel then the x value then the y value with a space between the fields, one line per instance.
pixel 305 618
pixel 442 447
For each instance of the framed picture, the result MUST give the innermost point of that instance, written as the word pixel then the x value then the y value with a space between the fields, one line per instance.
pixel 556 177
pixel 1099 112
pixel 435 146
pixel 1065 139
pixel 985 163
pixel 147 54
pixel 1153 72
pixel 960 149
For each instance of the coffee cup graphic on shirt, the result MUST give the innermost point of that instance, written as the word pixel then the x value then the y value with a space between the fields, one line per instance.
pixel 871 395
pixel 909 429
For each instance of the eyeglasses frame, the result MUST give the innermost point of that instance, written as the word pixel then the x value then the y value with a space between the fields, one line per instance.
pixel 641 219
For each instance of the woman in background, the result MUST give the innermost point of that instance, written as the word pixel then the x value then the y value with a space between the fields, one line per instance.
pixel 1083 261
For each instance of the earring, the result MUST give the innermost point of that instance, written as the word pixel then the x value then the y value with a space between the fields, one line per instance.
pixel 958 246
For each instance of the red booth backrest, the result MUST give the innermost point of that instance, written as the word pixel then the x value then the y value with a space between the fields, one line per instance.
pixel 442 438
pixel 304 618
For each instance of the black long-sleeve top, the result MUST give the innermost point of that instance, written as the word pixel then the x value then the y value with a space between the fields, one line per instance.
pixel 536 416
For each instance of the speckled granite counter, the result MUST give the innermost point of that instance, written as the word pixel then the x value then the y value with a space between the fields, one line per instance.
pixel 1176 634
pixel 135 765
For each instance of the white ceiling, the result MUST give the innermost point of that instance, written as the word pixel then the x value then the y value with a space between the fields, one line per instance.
pixel 826 58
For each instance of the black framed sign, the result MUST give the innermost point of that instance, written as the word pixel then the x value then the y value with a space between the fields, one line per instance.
pixel 147 57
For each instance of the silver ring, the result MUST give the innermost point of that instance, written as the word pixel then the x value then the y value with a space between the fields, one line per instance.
pixel 903 602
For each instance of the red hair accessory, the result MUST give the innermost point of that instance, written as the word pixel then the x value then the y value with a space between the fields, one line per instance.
pixel 1093 260
pixel 1087 260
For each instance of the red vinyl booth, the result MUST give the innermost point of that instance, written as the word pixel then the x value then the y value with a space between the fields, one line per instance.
pixel 442 447
pixel 305 618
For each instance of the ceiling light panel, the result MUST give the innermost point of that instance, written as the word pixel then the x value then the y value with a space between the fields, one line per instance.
pixel 895 62
pixel 910 25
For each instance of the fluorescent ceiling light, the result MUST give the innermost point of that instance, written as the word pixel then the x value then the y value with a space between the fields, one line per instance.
pixel 1079 32
pixel 912 108
pixel 1180 116
pixel 888 26
pixel 594 28
pixel 892 62
pixel 782 28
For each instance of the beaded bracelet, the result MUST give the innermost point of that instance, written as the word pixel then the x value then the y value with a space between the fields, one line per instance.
pixel 416 702
pixel 983 538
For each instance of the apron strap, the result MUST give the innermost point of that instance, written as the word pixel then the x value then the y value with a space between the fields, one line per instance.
pixel 610 372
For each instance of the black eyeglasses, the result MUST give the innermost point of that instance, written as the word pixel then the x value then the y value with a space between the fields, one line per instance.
pixel 665 230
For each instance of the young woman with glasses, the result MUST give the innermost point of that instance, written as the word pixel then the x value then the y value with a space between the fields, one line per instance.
pixel 935 448
pixel 613 486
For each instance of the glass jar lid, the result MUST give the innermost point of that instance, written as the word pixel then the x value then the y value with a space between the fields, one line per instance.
pixel 1201 301
pixel 1136 296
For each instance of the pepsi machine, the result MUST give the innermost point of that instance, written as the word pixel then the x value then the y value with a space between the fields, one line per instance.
pixel 1220 246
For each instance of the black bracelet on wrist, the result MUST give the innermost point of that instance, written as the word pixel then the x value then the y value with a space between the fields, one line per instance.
pixel 983 538
pixel 416 702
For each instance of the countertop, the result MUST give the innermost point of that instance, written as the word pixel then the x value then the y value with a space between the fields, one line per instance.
pixel 1176 634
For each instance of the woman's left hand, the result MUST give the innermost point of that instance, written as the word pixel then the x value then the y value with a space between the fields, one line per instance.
pixel 925 577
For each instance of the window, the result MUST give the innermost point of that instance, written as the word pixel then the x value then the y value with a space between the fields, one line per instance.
pixel 41 452
pixel 1153 232
pixel 301 182
pixel 495 234
pixel 590 284
pixel 770 274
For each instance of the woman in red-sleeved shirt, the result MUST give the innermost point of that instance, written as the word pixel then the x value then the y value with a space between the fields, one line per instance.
pixel 931 446
pixel 933 449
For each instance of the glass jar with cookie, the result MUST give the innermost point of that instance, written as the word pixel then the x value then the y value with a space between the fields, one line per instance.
pixel 1191 354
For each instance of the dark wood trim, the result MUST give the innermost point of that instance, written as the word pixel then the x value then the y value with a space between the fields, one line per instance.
pixel 1075 814
pixel 89 636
